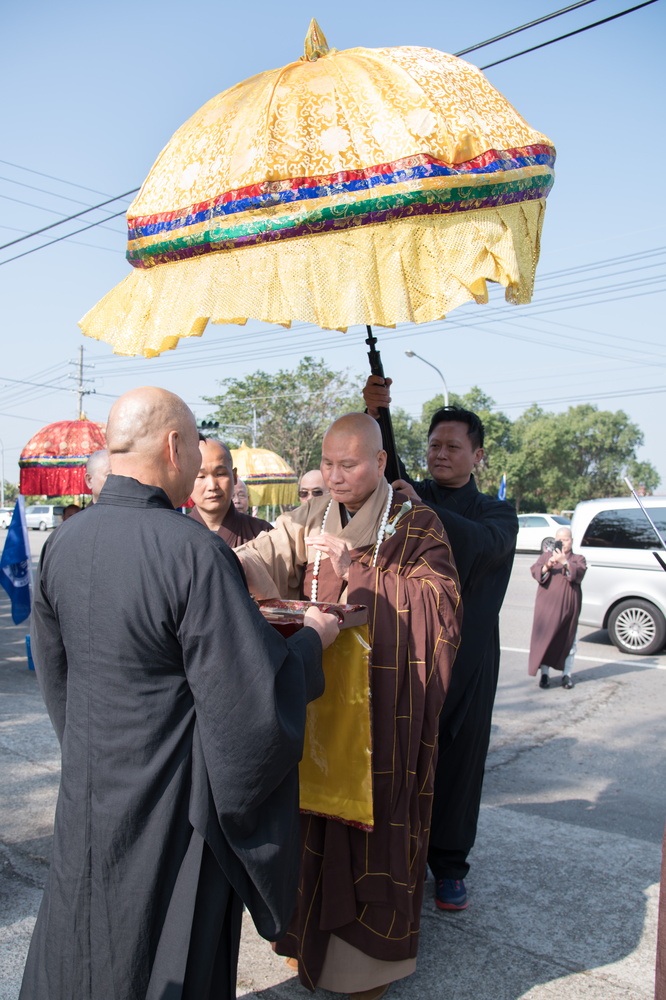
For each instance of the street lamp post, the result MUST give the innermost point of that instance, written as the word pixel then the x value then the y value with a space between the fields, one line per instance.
pixel 413 354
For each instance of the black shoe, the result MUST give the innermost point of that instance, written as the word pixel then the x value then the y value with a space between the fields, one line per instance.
pixel 544 682
pixel 567 682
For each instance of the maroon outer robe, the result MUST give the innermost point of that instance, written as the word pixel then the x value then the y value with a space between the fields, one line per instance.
pixel 236 527
pixel 556 612
pixel 367 888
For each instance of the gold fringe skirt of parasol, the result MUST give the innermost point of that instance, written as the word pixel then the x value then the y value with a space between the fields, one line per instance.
pixel 427 268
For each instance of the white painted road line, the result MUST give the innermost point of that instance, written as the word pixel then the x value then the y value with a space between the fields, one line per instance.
pixel 594 659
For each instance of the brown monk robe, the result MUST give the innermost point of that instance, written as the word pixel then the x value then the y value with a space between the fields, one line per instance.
pixel 356 924
pixel 212 495
pixel 557 606
pixel 236 528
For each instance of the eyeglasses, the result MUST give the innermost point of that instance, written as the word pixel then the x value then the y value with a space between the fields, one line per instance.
pixel 310 493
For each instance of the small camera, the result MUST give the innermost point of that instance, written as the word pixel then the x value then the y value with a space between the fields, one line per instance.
pixel 557 546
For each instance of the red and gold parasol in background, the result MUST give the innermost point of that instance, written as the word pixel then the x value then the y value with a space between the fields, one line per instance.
pixel 368 186
pixel 53 463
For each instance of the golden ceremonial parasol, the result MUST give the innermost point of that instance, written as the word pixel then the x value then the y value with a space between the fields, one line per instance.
pixel 269 479
pixel 368 186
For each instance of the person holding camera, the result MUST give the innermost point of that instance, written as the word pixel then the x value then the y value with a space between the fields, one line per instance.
pixel 553 644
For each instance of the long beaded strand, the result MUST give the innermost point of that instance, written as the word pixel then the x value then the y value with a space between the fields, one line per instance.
pixel 382 526
pixel 317 558
pixel 380 539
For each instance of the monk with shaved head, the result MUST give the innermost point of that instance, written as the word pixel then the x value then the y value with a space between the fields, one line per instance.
pixel 212 495
pixel 355 929
pixel 181 717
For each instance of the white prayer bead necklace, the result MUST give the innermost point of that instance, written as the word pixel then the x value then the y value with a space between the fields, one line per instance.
pixel 380 539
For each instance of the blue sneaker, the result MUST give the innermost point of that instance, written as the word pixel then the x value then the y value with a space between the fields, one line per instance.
pixel 450 894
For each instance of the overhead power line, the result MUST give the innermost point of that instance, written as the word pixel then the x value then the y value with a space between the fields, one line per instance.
pixel 60 180
pixel 569 34
pixel 523 27
pixel 69 218
pixel 59 239
pixel 33 187
pixel 471 48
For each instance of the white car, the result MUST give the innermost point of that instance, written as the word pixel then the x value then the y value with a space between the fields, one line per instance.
pixel 43 516
pixel 5 516
pixel 624 589
pixel 536 532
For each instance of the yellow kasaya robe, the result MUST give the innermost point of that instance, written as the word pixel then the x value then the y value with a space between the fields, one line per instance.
pixel 362 889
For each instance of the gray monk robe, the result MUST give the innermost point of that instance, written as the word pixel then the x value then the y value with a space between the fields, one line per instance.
pixel 180 714
pixel 556 612
pixel 360 894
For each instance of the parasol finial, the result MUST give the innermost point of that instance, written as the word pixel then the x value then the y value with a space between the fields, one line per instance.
pixel 315 43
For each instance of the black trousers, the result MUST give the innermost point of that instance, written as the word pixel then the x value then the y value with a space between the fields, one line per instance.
pixel 464 734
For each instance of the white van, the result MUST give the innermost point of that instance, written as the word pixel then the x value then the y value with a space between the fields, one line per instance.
pixel 43 516
pixel 624 589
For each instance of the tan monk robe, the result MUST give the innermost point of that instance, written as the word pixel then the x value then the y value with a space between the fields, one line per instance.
pixel 357 921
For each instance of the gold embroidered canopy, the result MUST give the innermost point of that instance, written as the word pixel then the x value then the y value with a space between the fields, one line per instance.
pixel 269 479
pixel 368 186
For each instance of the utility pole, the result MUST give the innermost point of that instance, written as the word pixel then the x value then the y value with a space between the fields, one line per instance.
pixel 80 390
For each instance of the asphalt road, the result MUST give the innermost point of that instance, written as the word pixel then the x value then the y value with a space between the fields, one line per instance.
pixel 563 885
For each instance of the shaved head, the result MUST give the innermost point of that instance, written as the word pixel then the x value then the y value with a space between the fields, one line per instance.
pixel 311 484
pixel 358 425
pixel 140 415
pixel 564 535
pixel 152 436
pixel 218 446
pixel 352 459
pixel 241 497
pixel 97 469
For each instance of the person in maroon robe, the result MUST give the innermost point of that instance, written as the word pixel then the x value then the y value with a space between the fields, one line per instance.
pixel 356 926
pixel 556 611
pixel 212 494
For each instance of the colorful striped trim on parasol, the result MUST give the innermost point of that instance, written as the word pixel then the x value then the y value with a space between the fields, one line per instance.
pixel 417 185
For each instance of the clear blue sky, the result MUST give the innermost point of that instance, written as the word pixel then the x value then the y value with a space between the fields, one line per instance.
pixel 93 91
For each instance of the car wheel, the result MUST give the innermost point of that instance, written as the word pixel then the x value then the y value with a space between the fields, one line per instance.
pixel 547 544
pixel 42 525
pixel 636 626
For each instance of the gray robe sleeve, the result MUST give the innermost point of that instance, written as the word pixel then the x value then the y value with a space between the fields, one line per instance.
pixel 49 650
pixel 250 688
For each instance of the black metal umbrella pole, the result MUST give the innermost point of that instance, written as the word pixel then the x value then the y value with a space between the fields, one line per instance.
pixel 392 465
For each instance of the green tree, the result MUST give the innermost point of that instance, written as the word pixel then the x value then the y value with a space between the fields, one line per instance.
pixel 559 459
pixel 410 442
pixel 11 493
pixel 290 410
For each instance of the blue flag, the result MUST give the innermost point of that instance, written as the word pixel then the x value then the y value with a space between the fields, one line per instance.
pixel 15 569
pixel 501 493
